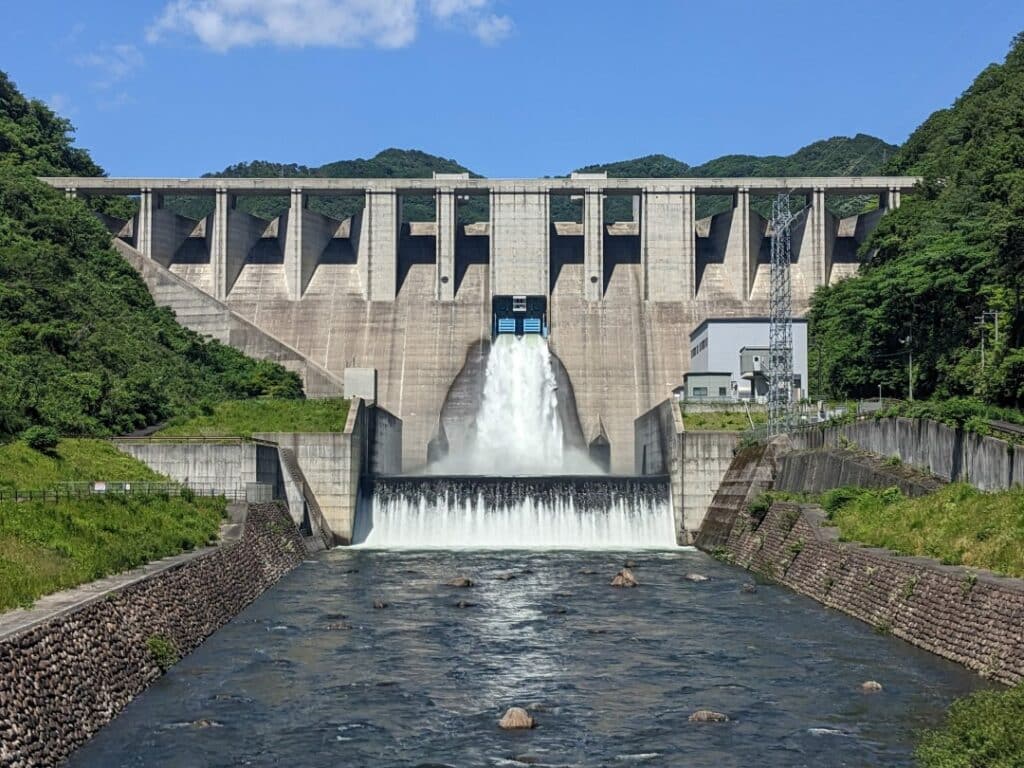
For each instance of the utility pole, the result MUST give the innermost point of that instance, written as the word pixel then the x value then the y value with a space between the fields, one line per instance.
pixel 994 314
pixel 910 365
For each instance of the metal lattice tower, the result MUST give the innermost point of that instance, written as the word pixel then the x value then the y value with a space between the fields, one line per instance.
pixel 780 354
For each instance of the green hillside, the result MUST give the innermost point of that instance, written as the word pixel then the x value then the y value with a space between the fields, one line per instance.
pixel 83 348
pixel 391 163
pixel 859 155
pixel 952 251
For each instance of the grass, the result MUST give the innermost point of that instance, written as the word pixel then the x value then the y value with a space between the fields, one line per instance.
pixel 983 729
pixel 957 524
pixel 23 468
pixel 45 547
pixel 241 418
pixel 724 420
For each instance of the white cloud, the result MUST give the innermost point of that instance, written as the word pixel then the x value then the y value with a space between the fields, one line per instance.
pixel 225 24
pixel 492 29
pixel 112 64
pixel 446 9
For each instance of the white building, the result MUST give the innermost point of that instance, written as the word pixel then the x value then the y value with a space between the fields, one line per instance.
pixel 740 346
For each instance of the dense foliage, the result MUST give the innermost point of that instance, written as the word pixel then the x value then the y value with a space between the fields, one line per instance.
pixel 83 348
pixel 953 251
pixel 983 729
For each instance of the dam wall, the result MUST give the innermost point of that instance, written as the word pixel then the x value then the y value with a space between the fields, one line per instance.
pixel 411 298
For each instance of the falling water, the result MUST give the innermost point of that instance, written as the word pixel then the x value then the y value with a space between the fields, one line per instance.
pixel 582 512
pixel 517 484
pixel 518 430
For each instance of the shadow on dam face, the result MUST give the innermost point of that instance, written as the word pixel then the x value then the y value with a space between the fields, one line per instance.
pixel 456 424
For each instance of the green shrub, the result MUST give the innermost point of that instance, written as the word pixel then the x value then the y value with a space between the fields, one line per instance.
pixel 982 730
pixel 163 650
pixel 837 498
pixel 42 439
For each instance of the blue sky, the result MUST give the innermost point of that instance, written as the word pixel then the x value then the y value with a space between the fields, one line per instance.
pixel 508 88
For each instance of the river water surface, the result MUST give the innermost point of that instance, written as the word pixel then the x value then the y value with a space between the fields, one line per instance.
pixel 312 675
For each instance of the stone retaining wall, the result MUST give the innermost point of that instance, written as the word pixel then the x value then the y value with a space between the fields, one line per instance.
pixel 971 617
pixel 62 680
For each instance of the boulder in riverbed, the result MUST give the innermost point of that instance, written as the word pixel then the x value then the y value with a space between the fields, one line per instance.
pixel 708 716
pixel 624 578
pixel 871 686
pixel 695 577
pixel 459 581
pixel 516 718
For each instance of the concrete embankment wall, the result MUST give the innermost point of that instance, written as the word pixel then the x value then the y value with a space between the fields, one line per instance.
pixel 947 452
pixel 973 618
pixel 827 468
pixel 332 463
pixel 63 678
pixel 696 463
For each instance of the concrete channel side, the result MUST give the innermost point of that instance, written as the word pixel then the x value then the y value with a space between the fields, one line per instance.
pixel 969 616
pixel 953 454
pixel 332 464
pixel 696 463
pixel 76 659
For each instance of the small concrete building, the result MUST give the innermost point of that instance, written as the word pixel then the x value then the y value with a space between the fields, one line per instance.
pixel 708 385
pixel 740 346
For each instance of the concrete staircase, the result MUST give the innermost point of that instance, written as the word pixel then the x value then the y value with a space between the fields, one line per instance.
pixel 204 314
pixel 750 473
pixel 313 528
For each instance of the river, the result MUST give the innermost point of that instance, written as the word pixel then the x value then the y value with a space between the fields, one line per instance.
pixel 311 674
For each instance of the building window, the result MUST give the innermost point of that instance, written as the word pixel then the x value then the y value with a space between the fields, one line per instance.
pixel 518 303
pixel 700 391
pixel 723 391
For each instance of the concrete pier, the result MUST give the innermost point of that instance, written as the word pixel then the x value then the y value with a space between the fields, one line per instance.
pixel 413 299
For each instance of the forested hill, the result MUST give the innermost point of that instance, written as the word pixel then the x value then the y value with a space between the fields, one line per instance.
pixel 953 251
pixel 857 156
pixel 83 348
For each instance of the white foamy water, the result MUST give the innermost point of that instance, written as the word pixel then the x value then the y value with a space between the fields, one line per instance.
pixel 517 429
pixel 541 513
pixel 516 485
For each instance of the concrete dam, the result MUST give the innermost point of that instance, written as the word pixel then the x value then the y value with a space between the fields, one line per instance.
pixel 420 302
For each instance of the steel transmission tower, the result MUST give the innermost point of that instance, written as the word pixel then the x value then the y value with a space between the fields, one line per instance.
pixel 780 352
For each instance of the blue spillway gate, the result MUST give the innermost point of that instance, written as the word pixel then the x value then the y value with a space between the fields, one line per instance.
pixel 520 315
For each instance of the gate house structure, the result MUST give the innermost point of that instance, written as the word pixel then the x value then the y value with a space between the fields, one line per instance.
pixel 415 299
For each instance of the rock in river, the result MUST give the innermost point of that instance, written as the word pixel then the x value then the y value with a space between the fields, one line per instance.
pixel 516 718
pixel 624 578
pixel 708 716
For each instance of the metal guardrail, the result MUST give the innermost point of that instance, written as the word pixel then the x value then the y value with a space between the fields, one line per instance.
pixel 69 491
